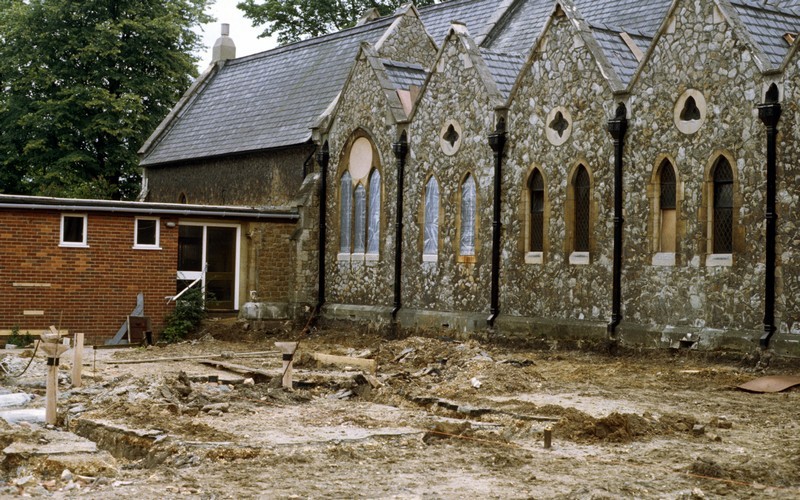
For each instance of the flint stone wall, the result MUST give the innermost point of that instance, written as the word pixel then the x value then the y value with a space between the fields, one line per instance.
pixel 702 53
pixel 363 108
pixel 455 92
pixel 560 75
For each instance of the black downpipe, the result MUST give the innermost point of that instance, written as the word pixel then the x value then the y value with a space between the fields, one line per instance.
pixel 497 141
pixel 617 127
pixel 770 113
pixel 400 149
pixel 308 161
pixel 323 159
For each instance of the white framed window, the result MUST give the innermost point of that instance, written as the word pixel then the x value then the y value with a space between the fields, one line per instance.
pixel 73 230
pixel 147 233
pixel 345 214
pixel 374 213
pixel 468 214
pixel 430 242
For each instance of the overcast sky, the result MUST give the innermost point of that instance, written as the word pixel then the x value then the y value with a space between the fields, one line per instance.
pixel 242 33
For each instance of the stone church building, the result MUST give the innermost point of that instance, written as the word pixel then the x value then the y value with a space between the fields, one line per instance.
pixel 537 169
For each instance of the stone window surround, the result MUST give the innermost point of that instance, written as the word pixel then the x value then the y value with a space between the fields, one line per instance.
pixel 654 220
pixel 147 246
pixel 579 258
pixel 467 259
pixel 530 257
pixel 707 213
pixel 689 127
pixel 552 135
pixel 84 243
pixel 447 148
pixel 360 257
pixel 421 221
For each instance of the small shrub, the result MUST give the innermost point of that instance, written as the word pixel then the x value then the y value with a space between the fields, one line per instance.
pixel 19 340
pixel 188 313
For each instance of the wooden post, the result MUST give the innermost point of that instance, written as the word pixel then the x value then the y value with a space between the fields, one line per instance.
pixel 53 349
pixel 287 350
pixel 77 363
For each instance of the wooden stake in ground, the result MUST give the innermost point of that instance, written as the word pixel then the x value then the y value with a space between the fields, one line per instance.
pixel 287 350
pixel 53 349
pixel 77 362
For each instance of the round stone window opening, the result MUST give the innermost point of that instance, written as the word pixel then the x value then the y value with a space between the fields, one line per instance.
pixel 360 161
pixel 558 126
pixel 690 111
pixel 450 137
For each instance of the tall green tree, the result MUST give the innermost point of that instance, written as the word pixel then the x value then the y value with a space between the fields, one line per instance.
pixel 83 84
pixel 294 20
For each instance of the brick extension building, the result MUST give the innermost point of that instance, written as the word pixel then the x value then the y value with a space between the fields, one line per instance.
pixel 80 264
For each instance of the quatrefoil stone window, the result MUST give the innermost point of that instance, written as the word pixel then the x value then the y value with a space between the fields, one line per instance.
pixel 689 113
pixel 450 137
pixel 558 126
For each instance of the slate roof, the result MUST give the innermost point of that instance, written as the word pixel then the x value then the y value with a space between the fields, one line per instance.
pixel 476 14
pixel 618 53
pixel 768 26
pixel 520 26
pixel 266 100
pixel 504 69
pixel 635 17
pixel 270 100
pixel 404 75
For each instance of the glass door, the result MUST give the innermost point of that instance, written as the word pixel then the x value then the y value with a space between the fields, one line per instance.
pixel 210 254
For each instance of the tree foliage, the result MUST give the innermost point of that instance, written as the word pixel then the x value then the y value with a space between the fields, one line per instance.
pixel 83 85
pixel 293 20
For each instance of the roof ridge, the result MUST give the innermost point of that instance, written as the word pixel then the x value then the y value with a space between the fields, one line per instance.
pixel 444 4
pixel 402 64
pixel 310 42
pixel 502 53
pixel 763 7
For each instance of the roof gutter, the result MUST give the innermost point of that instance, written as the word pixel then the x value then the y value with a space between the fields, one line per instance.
pixel 152 211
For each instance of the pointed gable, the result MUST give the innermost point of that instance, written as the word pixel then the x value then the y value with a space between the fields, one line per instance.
pixel 407 40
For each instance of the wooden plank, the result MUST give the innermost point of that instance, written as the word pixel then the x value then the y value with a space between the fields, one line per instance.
pixel 368 365
pixel 256 373
pixel 190 358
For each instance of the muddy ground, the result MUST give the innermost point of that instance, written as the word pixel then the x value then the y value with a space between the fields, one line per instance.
pixel 441 418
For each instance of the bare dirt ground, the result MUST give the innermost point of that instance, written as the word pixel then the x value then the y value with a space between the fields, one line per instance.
pixel 441 419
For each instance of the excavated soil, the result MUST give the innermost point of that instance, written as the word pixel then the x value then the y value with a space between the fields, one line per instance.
pixel 441 418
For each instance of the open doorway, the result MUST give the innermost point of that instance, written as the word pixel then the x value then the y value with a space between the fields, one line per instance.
pixel 210 253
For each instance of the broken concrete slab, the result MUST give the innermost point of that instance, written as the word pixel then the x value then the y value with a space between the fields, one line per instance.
pixel 32 415
pixel 119 440
pixel 15 399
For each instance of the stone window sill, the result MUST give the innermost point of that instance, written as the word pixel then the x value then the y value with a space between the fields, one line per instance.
pixel 719 260
pixel 430 258
pixel 664 259
pixel 467 259
pixel 534 258
pixel 579 258
pixel 343 257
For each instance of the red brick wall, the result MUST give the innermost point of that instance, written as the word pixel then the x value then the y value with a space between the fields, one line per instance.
pixel 92 289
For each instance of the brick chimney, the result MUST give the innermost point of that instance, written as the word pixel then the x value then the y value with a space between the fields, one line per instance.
pixel 224 48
